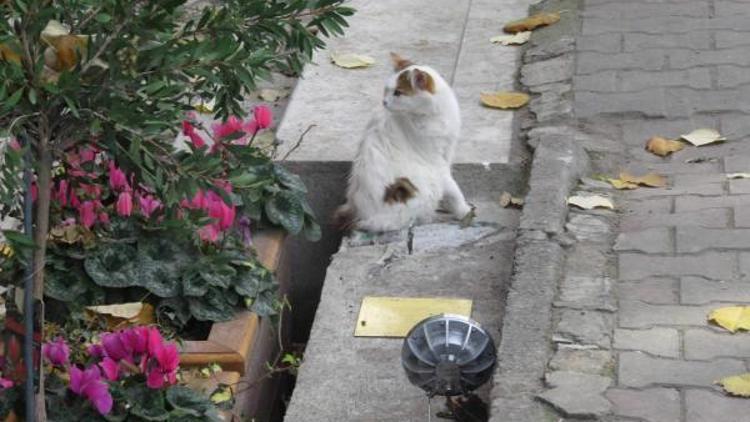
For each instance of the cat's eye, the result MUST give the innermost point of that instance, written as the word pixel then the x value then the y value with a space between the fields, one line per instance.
pixel 397 93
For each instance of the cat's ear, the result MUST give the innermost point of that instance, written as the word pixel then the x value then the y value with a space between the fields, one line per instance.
pixel 400 63
pixel 424 81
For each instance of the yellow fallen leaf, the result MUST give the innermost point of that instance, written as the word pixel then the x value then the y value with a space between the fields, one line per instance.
pixel 732 318
pixel 590 202
pixel 738 175
pixel 515 39
pixel 737 385
pixel 272 95
pixel 532 22
pixel 652 180
pixel 704 136
pixel 9 52
pixel 222 394
pixel 508 200
pixel 504 100
pixel 121 314
pixel 351 60
pixel 621 184
pixel 662 146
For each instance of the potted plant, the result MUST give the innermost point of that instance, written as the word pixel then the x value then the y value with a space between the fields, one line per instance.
pixel 92 95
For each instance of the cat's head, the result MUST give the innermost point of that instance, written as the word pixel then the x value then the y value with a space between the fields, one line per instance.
pixel 411 88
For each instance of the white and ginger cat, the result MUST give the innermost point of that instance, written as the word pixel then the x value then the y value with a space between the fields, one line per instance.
pixel 402 170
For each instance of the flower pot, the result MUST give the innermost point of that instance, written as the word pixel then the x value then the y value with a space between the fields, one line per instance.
pixel 244 345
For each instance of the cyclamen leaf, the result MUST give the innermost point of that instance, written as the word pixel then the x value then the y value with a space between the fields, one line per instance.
pixel 286 210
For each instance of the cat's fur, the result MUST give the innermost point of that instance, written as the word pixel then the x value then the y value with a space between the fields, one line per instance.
pixel 402 170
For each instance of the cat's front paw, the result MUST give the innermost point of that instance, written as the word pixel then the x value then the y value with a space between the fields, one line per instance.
pixel 468 219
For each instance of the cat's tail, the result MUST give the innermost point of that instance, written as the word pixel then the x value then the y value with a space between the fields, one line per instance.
pixel 344 217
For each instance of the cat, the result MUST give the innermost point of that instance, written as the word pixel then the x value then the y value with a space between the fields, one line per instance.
pixel 402 170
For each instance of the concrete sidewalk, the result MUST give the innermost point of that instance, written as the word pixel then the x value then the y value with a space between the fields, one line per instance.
pixel 630 340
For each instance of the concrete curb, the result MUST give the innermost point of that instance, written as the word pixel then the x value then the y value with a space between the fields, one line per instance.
pixel 558 163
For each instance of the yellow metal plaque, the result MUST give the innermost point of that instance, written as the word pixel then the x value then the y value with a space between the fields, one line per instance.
pixel 395 316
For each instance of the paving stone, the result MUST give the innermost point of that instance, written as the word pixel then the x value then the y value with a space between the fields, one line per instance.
pixel 638 131
pixel 640 370
pixel 636 314
pixel 742 217
pixel 591 62
pixel 577 395
pixel 589 228
pixel 703 189
pixel 580 292
pixel 714 265
pixel 696 239
pixel 688 180
pixel 605 43
pixel 657 291
pixel 637 42
pixel 650 103
pixel 697 291
pixel 693 203
pixel 585 327
pixel 730 8
pixel 653 240
pixel 732 76
pixel 661 24
pixel 725 39
pixel 646 10
pixel 651 404
pixel 705 344
pixel 656 341
pixel 669 169
pixel 636 80
pixel 739 186
pixel 707 406
pixel 587 260
pixel 710 218
pixel 737 164
pixel 683 59
pixel 589 361
pixel 598 82
pixel 557 69
pixel 744 266
pixel 643 207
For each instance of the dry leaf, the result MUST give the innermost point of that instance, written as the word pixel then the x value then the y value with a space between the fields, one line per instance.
pixel 504 100
pixel 508 200
pixel 121 314
pixel 272 95
pixel 10 53
pixel 737 385
pixel 532 22
pixel 590 202
pixel 650 180
pixel 621 184
pixel 704 136
pixel 732 318
pixel 662 146
pixel 351 60
pixel 738 175
pixel 515 39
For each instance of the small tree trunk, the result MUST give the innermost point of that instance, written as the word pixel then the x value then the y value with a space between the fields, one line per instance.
pixel 41 230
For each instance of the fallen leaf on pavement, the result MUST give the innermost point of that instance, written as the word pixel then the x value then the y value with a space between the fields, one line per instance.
pixel 704 136
pixel 515 39
pixel 590 202
pixel 738 175
pixel 732 318
pixel 737 385
pixel 532 22
pixel 621 184
pixel 662 146
pixel 121 314
pixel 651 180
pixel 508 200
pixel 504 99
pixel 351 60
pixel 272 95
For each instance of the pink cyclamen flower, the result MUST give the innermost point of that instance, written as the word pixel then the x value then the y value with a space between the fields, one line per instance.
pixel 189 130
pixel 263 115
pixel 87 154
pixel 111 368
pixel 125 204
pixel 56 352
pixel 95 350
pixel 117 179
pixel 114 347
pixel 218 209
pixel 87 213
pixel 136 339
pixel 167 362
pixel 104 218
pixel 88 383
pixel 209 233
pixel 148 204
pixel 231 126
pixel 5 383
pixel 61 195
pixel 14 144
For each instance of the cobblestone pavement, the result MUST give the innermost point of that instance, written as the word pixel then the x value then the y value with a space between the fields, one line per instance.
pixel 631 338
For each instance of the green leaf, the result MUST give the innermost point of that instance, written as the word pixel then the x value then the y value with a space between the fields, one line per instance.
pixel 112 265
pixel 312 230
pixel 188 401
pixel 286 210
pixel 146 403
pixel 211 307
pixel 103 18
pixel 14 99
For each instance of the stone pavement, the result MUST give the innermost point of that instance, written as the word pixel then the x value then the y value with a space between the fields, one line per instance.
pixel 630 337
